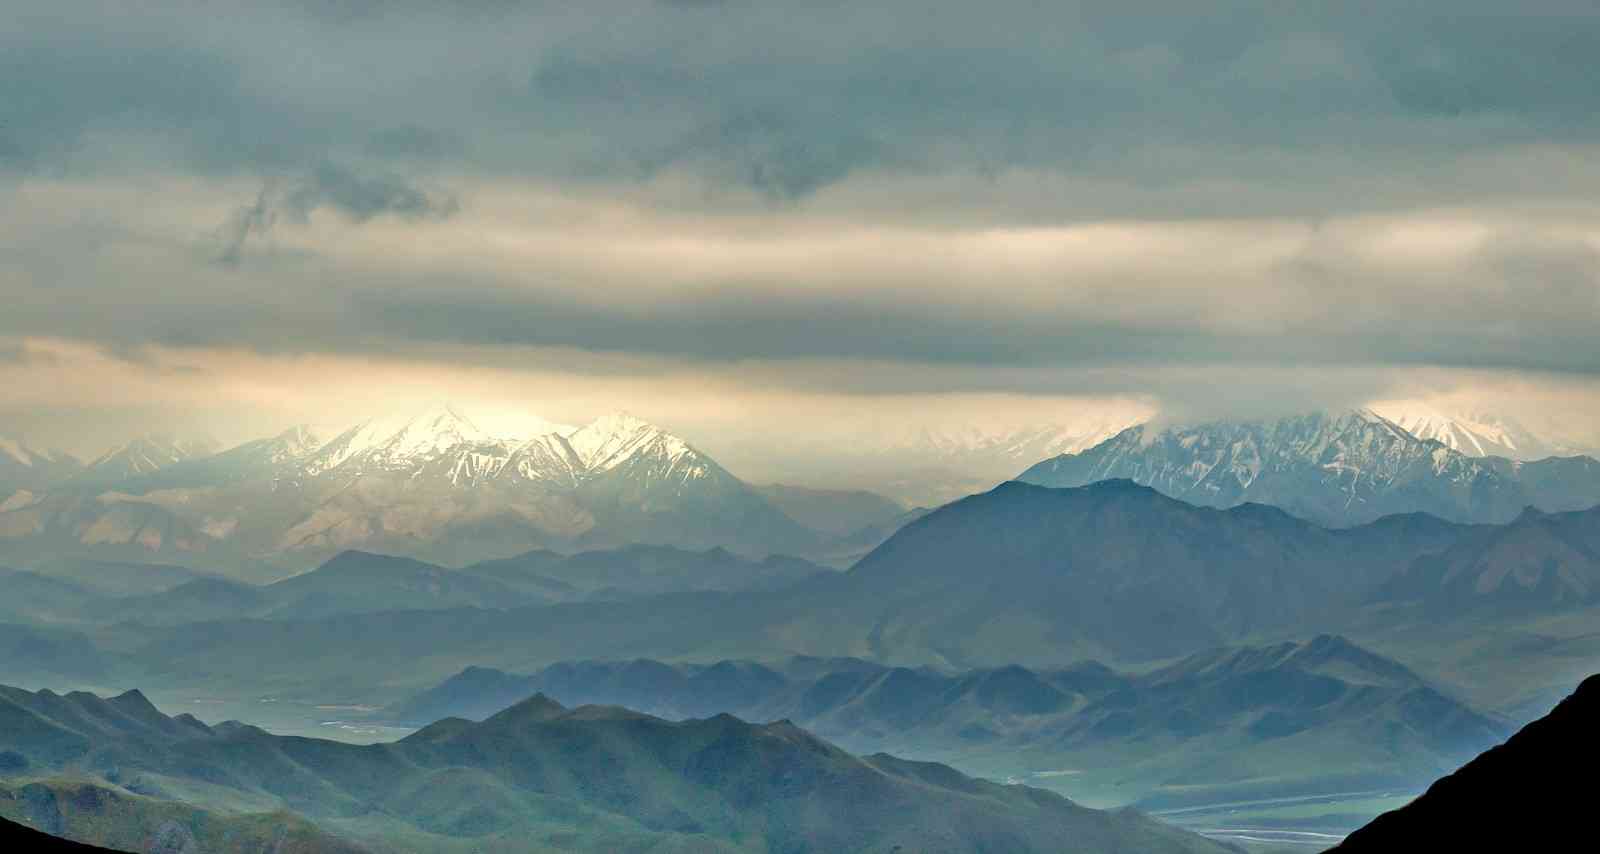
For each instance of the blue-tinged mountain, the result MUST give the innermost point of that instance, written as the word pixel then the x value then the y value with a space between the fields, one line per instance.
pixel 1323 711
pixel 1023 574
pixel 539 777
pixel 1334 469
pixel 1537 563
pixel 1117 571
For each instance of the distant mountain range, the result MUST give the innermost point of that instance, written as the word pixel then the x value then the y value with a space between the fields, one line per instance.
pixel 1022 574
pixel 1215 718
pixel 433 486
pixel 1532 793
pixel 1333 469
pixel 356 582
pixel 436 487
pixel 535 777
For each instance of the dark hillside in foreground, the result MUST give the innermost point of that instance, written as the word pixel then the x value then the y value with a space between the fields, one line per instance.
pixel 1536 792
pixel 21 839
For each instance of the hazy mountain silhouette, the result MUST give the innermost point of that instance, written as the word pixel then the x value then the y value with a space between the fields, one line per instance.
pixel 1225 711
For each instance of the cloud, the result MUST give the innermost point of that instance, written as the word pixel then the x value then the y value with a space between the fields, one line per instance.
pixel 1155 93
pixel 358 197
pixel 1254 203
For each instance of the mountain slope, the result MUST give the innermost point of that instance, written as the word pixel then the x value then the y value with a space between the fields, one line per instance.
pixel 1533 793
pixel 31 471
pixel 357 582
pixel 1475 434
pixel 144 455
pixel 539 776
pixel 19 837
pixel 832 511
pixel 1538 562
pixel 1332 469
pixel 1115 570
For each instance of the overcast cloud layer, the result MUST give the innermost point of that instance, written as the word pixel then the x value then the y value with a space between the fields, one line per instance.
pixel 722 213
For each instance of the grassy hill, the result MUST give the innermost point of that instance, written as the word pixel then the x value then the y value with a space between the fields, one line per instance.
pixel 1235 721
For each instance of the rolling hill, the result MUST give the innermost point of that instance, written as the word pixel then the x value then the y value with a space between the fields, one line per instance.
pixel 1324 711
pixel 538 776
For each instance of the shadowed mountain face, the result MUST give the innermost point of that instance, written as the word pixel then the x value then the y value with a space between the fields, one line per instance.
pixel 1217 717
pixel 1538 562
pixel 539 776
pixel 1533 793
pixel 1118 571
pixel 1332 469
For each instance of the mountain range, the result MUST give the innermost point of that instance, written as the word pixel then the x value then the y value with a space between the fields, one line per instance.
pixel 1288 712
pixel 535 777
pixel 436 487
pixel 433 486
pixel 1334 469
pixel 1022 574
pixel 355 582
pixel 1477 433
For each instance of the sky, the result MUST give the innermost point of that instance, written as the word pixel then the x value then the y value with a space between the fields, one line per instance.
pixel 768 224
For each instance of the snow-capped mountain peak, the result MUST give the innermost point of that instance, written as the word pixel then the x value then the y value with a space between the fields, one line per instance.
pixel 1334 468
pixel 436 430
pixel 611 440
pixel 392 443
pixel 296 443
pixel 1475 434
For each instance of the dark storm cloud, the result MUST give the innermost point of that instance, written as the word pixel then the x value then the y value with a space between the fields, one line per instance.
pixel 790 99
pixel 360 197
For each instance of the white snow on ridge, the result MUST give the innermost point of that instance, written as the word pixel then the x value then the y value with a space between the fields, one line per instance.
pixel 611 440
pixel 443 441
pixel 1475 434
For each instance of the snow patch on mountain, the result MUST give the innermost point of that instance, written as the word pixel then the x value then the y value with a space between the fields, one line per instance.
pixel 147 454
pixel 1476 434
pixel 1333 468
